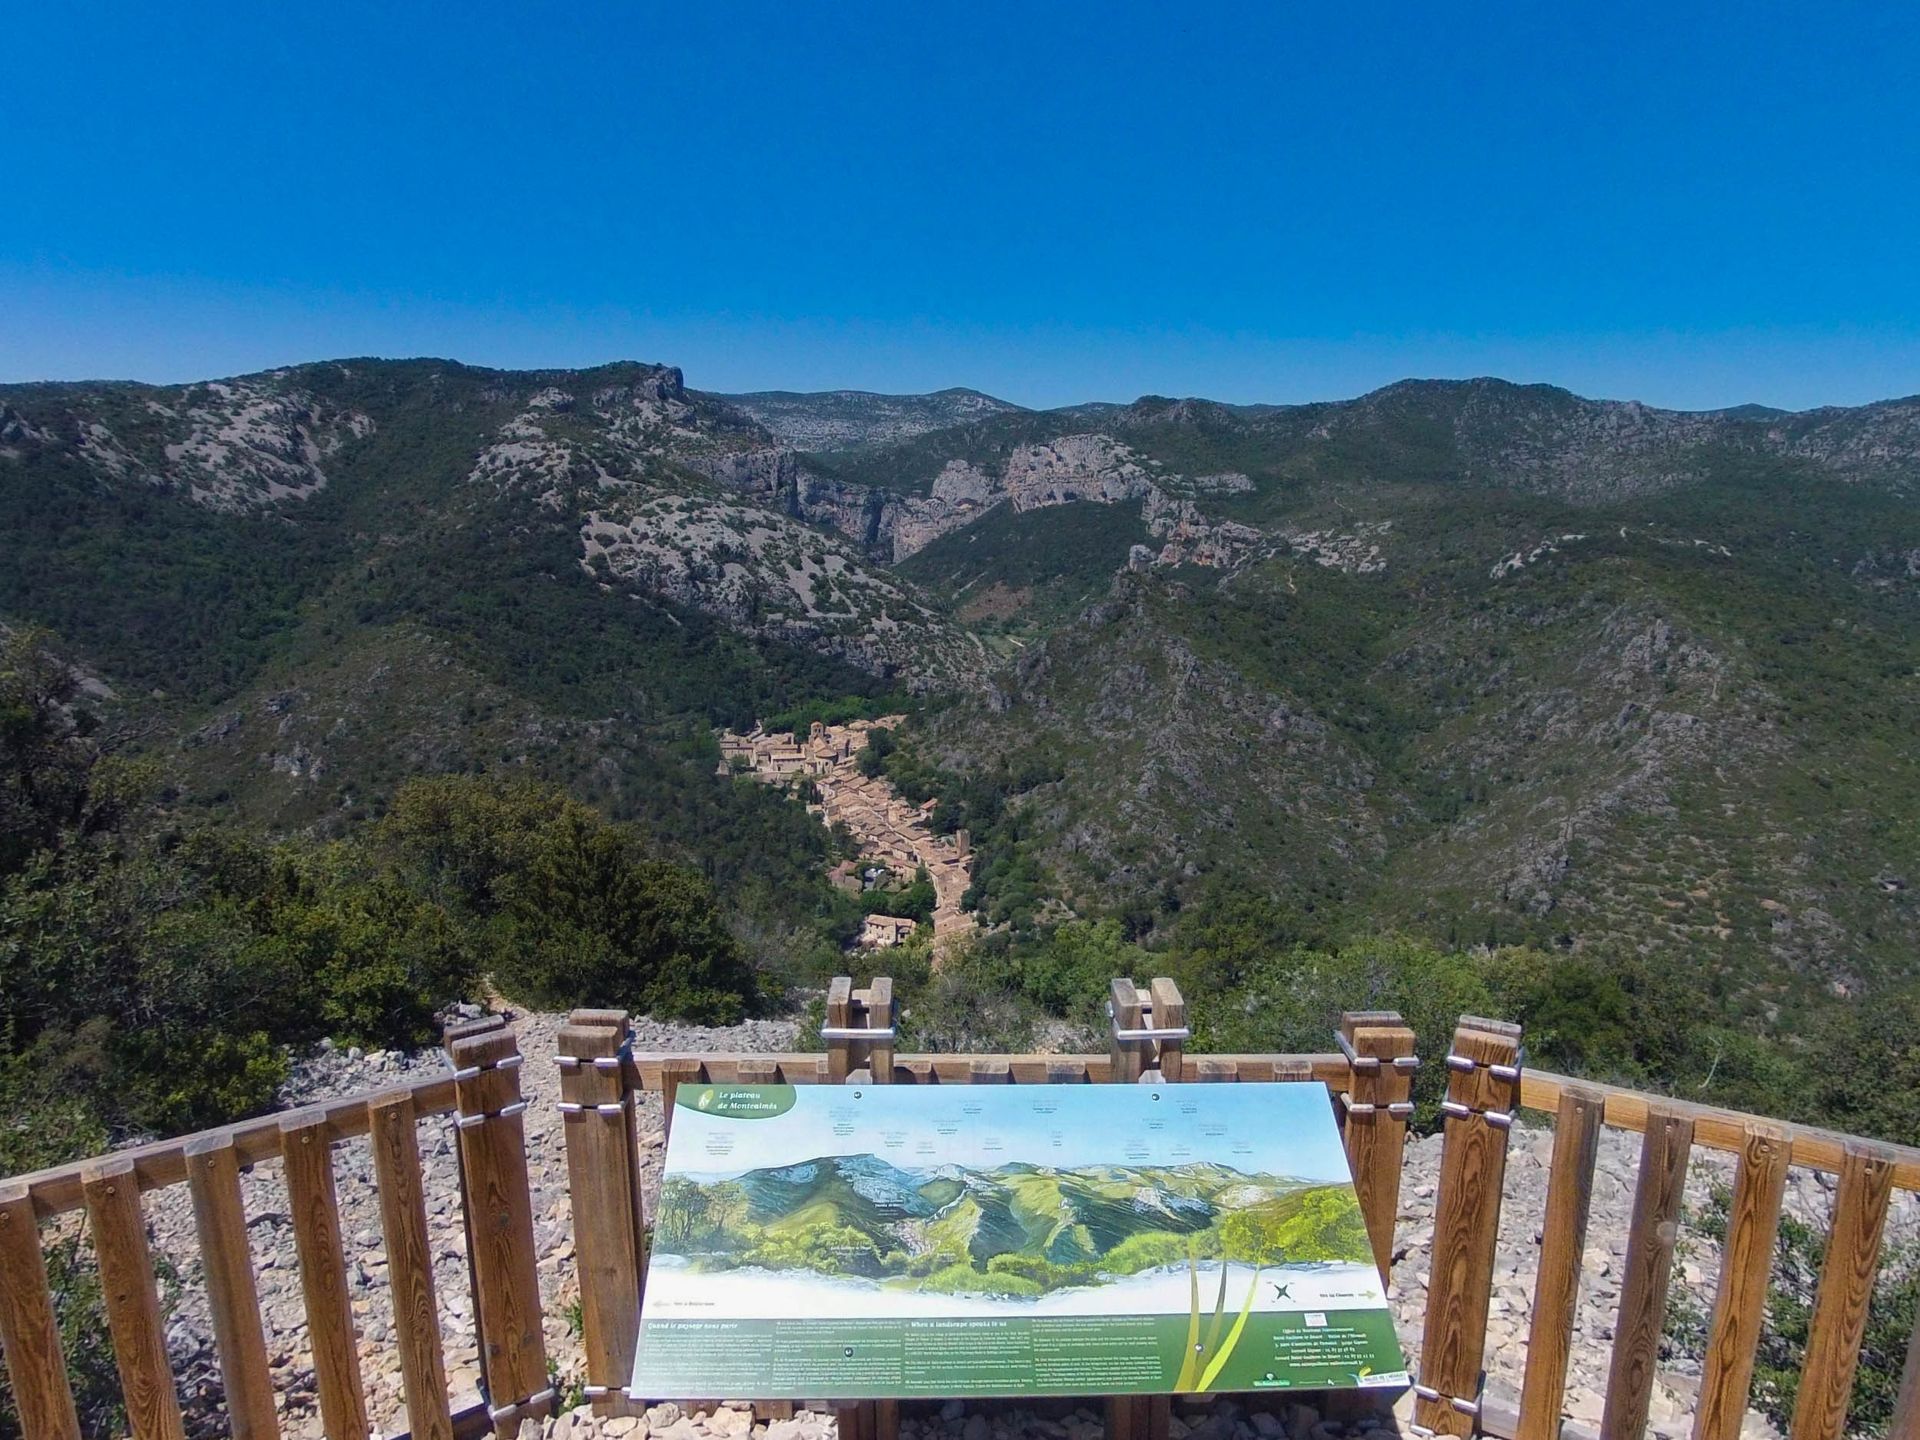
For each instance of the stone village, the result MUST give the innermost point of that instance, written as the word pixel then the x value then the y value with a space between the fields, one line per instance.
pixel 894 837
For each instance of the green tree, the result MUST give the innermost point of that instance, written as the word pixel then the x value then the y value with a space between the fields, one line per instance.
pixel 681 1214
pixel 572 908
pixel 59 782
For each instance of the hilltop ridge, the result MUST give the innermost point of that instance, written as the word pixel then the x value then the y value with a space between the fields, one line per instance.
pixel 1493 661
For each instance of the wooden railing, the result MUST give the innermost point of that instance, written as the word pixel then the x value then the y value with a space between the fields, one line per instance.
pixel 1868 1173
pixel 482 1095
pixel 602 1080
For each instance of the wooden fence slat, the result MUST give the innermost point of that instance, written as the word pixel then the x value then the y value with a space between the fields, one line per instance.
pixel 315 1209
pixel 1556 1291
pixel 29 1330
pixel 1376 1139
pixel 1473 1165
pixel 1846 1288
pixel 403 1223
pixel 220 1224
pixel 493 1148
pixel 164 1162
pixel 133 1302
pixel 1135 1417
pixel 1746 1262
pixel 600 1179
pixel 1651 1236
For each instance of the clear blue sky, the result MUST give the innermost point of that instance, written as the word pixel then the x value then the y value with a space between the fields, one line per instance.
pixel 1692 205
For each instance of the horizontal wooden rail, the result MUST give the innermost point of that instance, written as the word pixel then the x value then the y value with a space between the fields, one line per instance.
pixel 1714 1128
pixel 164 1162
pixel 657 1072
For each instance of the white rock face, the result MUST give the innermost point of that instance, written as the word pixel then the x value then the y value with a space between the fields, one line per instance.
pixel 235 444
pixel 962 493
pixel 1074 467
pixel 1094 468
pixel 764 572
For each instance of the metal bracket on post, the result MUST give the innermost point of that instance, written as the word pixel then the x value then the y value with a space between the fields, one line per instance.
pixel 1147 1031
pixel 860 1030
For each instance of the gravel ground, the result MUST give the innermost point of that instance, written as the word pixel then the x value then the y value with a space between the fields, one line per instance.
pixel 329 1072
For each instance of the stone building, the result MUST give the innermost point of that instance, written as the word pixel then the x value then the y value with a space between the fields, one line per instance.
pixel 882 932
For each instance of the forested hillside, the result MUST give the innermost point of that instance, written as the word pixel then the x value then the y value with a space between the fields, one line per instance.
pixel 1459 694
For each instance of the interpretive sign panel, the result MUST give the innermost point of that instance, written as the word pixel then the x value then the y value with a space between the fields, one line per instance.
pixel 871 1242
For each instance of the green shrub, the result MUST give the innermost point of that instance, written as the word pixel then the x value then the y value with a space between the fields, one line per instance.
pixel 1799 1255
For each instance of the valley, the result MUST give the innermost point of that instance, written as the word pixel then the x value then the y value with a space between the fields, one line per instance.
pixel 892 838
pixel 1486 668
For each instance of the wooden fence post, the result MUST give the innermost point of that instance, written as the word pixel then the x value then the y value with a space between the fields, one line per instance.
pixel 220 1224
pixel 403 1223
pixel 839 1017
pixel 1378 1104
pixel 1483 1088
pixel 492 1144
pixel 880 1019
pixel 1556 1290
pixel 1134 1057
pixel 1846 1289
pixel 630 1097
pixel 1739 1306
pixel 1651 1237
pixel 885 1415
pixel 855 1060
pixel 133 1304
pixel 29 1331
pixel 602 1165
pixel 1128 1056
pixel 1169 1012
pixel 461 1030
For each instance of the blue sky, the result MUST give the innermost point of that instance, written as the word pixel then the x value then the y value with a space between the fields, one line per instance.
pixel 1693 205
pixel 1274 1129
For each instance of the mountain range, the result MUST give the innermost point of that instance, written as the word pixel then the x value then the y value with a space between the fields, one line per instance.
pixel 1065 1217
pixel 1489 661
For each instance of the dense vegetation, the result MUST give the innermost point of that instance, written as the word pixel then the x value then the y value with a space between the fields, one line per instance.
pixel 1022 574
pixel 152 972
pixel 1261 977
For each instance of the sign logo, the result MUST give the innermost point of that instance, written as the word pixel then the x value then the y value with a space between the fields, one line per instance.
pixel 736 1102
